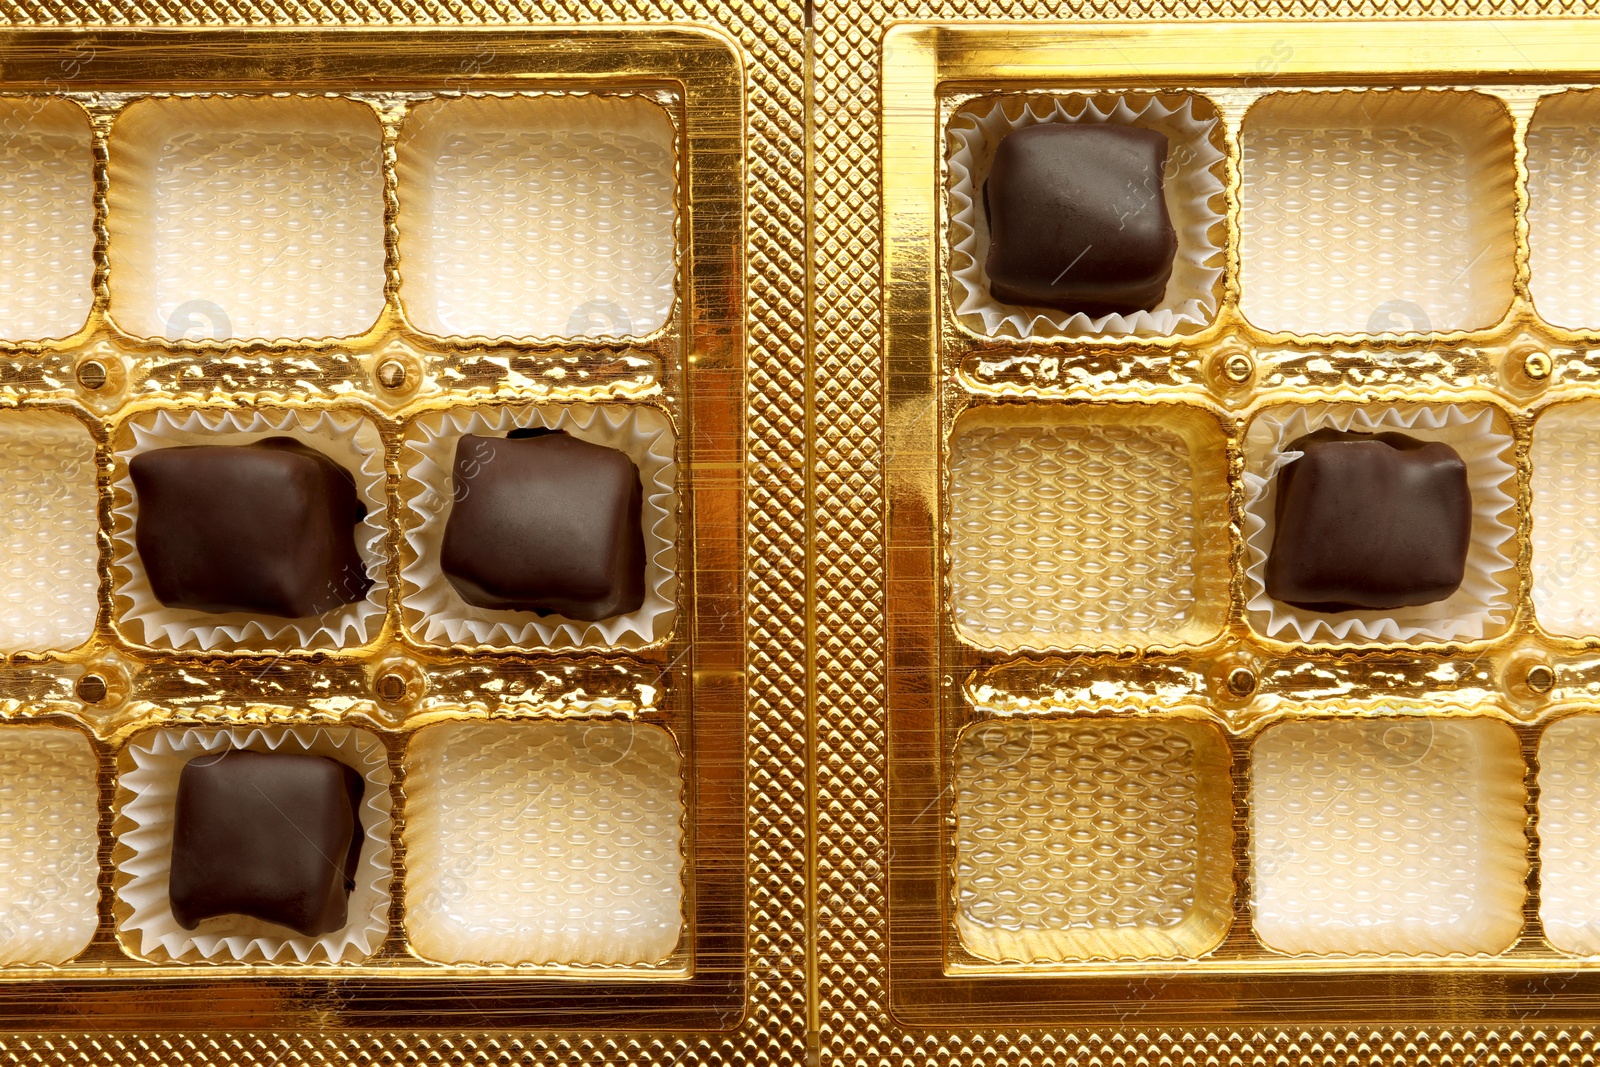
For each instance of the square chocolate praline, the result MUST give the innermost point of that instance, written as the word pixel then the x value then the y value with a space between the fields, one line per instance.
pixel 274 836
pixel 1369 522
pixel 267 528
pixel 1078 218
pixel 545 522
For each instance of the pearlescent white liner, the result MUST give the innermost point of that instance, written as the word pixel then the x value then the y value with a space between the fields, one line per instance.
pixel 1569 834
pixel 144 850
pixel 1482 605
pixel 1377 211
pixel 349 440
pixel 550 215
pixel 435 611
pixel 49 844
pixel 1564 209
pixel 1193 189
pixel 1388 837
pixel 246 217
pixel 49 527
pixel 46 219
pixel 554 843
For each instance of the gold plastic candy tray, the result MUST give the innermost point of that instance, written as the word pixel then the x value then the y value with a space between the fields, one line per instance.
pixel 348 319
pixel 1124 787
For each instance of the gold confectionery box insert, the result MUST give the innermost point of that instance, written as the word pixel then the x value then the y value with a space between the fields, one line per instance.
pixel 372 250
pixel 1133 776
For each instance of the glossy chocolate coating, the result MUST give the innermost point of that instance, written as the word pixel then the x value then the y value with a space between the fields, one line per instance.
pixel 274 836
pixel 1369 521
pixel 266 528
pixel 1078 220
pixel 547 523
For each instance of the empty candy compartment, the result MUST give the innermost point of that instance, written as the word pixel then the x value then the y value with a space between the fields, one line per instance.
pixel 1569 834
pixel 1092 839
pixel 1563 221
pixel 1377 212
pixel 1565 483
pixel 544 843
pixel 49 503
pixel 49 844
pixel 1088 526
pixel 538 216
pixel 1388 836
pixel 246 217
pixel 46 219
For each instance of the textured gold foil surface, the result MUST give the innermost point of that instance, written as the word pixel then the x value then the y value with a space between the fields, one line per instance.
pixel 829 957
pixel 727 684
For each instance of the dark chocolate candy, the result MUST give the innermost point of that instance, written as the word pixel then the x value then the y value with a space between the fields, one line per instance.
pixel 1078 220
pixel 274 836
pixel 266 528
pixel 1369 522
pixel 545 523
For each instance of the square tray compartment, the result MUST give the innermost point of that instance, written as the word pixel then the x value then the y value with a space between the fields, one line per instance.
pixel 1388 836
pixel 1093 838
pixel 1377 212
pixel 707 680
pixel 49 524
pixel 1101 527
pixel 1193 185
pixel 538 216
pixel 256 218
pixel 1563 220
pixel 46 219
pixel 149 769
pixel 1481 608
pixel 1569 834
pixel 435 613
pixel 1565 489
pixel 49 844
pixel 544 843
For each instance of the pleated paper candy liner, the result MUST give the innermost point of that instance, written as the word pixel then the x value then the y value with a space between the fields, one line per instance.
pixel 437 613
pixel 348 440
pixel 1482 603
pixel 144 850
pixel 1193 189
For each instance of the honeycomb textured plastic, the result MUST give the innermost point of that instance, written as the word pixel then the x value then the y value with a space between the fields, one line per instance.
pixel 49 844
pixel 1092 532
pixel 1565 481
pixel 544 843
pixel 544 216
pixel 1569 834
pixel 49 585
pixel 46 220
pixel 1563 223
pixel 246 218
pixel 1092 839
pixel 1388 837
pixel 1376 213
